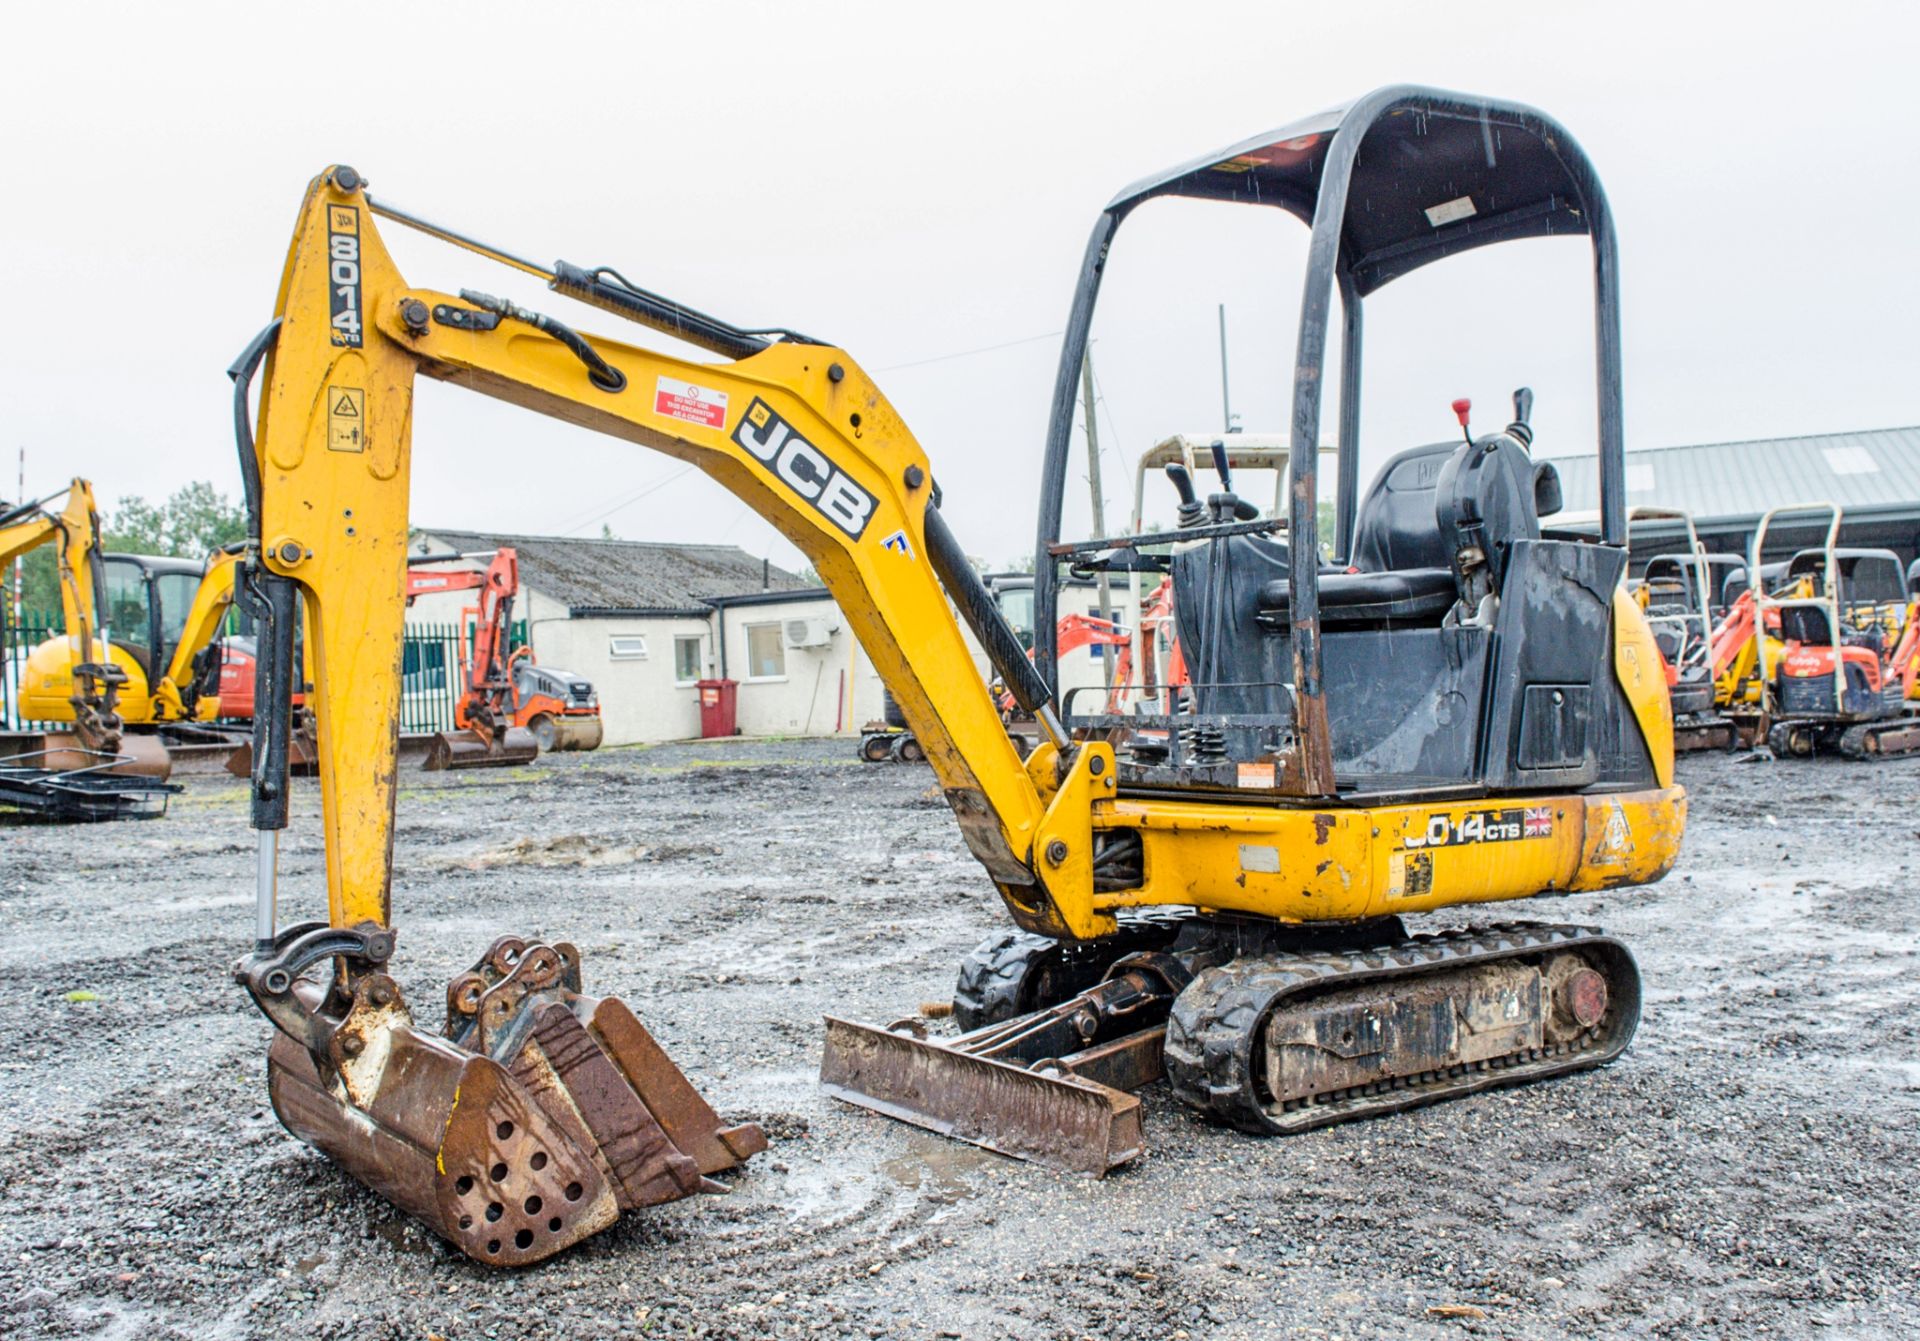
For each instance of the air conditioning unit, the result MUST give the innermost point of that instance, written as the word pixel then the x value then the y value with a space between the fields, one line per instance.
pixel 808 633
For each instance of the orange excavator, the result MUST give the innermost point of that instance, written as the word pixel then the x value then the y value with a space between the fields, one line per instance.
pixel 512 709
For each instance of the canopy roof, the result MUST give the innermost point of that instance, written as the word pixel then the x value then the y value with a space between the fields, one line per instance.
pixel 1437 173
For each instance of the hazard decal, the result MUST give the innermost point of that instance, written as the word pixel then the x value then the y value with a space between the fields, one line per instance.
pixel 674 399
pixel 346 419
pixel 343 274
pixel 1615 847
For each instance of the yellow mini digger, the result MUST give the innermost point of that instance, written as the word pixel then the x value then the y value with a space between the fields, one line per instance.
pixel 89 766
pixel 1450 710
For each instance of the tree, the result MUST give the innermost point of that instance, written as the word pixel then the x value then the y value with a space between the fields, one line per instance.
pixel 191 524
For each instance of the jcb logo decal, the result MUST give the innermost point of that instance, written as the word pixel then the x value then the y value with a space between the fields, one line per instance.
pixel 804 468
pixel 343 272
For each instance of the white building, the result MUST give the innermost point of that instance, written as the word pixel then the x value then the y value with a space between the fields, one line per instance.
pixel 647 622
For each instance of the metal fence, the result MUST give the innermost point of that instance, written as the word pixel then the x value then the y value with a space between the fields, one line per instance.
pixel 432 672
pixel 16 640
pixel 430 683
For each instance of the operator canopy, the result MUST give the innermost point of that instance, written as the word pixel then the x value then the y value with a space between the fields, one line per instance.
pixel 1436 174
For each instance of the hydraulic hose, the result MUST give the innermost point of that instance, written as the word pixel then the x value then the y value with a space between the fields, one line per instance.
pixel 241 371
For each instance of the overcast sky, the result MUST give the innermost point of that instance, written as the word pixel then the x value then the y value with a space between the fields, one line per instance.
pixel 916 182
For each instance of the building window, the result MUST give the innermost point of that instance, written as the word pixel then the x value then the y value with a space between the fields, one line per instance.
pixel 686 659
pixel 766 652
pixel 627 647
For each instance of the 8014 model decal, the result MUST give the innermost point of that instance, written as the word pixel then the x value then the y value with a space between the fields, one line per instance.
pixel 343 272
pixel 1483 826
pixel 804 468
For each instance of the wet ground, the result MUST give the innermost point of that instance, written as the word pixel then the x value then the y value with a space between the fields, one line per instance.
pixel 1747 1169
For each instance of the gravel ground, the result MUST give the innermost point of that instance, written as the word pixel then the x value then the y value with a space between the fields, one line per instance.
pixel 1745 1170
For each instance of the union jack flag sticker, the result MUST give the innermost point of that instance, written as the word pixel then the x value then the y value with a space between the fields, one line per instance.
pixel 1539 822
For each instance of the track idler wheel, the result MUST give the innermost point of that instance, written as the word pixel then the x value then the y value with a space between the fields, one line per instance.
pixel 1788 740
pixel 542 1117
pixel 1015 972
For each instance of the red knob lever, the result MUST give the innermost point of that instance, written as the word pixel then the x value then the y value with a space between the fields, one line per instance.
pixel 1461 408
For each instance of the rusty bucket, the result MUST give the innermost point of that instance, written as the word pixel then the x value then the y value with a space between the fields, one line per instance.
pixel 538 1119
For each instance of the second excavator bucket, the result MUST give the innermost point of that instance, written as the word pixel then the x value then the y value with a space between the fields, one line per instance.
pixel 470 749
pixel 539 1118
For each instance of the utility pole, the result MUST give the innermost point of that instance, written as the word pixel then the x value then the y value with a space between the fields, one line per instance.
pixel 1099 500
pixel 19 580
pixel 1226 401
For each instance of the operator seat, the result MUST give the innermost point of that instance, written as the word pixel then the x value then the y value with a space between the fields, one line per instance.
pixel 1404 576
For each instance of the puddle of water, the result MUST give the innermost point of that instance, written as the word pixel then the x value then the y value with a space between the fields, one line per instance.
pixel 941 1170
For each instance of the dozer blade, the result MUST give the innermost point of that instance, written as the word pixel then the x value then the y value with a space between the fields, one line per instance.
pixel 1050 1086
pixel 138 756
pixel 465 749
pixel 542 1117
pixel 1051 1117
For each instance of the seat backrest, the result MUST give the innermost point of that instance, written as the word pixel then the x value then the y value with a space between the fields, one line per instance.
pixel 1806 624
pixel 1395 526
pixel 1487 487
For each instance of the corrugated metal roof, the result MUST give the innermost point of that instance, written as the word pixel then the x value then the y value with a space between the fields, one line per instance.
pixel 1873 469
pixel 620 576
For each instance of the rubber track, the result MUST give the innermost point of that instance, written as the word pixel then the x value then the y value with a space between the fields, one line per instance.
pixel 1214 1033
pixel 1853 741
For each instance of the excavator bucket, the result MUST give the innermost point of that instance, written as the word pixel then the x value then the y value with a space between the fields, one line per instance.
pixel 469 749
pixel 539 1118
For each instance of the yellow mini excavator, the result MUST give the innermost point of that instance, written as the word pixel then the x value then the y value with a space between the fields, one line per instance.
pixel 1452 709
pixel 97 769
pixel 165 614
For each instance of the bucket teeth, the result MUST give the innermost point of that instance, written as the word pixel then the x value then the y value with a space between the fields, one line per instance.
pixel 542 1116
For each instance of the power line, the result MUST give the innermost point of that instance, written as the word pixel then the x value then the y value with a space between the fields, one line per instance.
pixel 631 498
pixel 969 353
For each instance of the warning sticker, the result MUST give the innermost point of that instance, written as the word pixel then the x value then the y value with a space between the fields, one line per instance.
pixel 693 404
pixel 1254 775
pixel 1409 875
pixel 346 419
